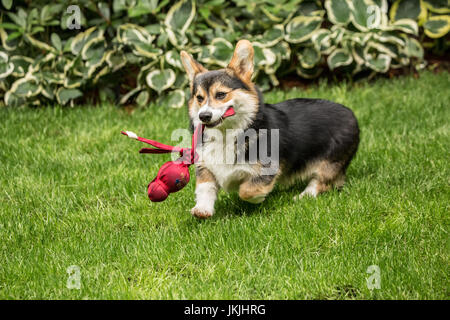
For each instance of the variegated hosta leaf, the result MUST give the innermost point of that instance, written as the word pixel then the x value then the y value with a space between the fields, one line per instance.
pixel 6 44
pixel 378 62
pixel 64 95
pixel 39 44
pixel 147 50
pixel 94 50
pixel 405 25
pixel 363 15
pixel 273 58
pixel 120 5
pixel 41 61
pixel 309 57
pixel 129 94
pixel 408 9
pixel 263 56
pixel 181 80
pixel 82 38
pixel 270 15
pixel 160 80
pixel 56 41
pixel 358 54
pixel 219 52
pixel 437 26
pixel 144 71
pixel 321 39
pixel 413 48
pixel 176 38
pixel 273 62
pixel 94 54
pixel 273 35
pixel 310 8
pixel 390 37
pixel 115 59
pixel 26 87
pixel 142 98
pixel 309 73
pixel 282 48
pixel 13 100
pixel 76 67
pixel 389 49
pixel 180 15
pixel 47 91
pixel 380 13
pixel 437 6
pixel 263 82
pixel 354 68
pixel 103 72
pixel 338 11
pixel 301 28
pixel 71 82
pixel 132 58
pixel 174 99
pixel 404 60
pixel 50 76
pixel 338 58
pixel 360 38
pixel 6 67
pixel 337 34
pixel 173 58
pixel 132 34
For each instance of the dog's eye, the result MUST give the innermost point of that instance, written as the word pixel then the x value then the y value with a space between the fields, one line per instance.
pixel 220 95
pixel 199 98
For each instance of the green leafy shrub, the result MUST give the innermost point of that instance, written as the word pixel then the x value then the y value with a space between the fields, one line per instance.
pixel 128 50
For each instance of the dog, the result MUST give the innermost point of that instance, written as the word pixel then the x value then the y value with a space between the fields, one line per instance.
pixel 317 138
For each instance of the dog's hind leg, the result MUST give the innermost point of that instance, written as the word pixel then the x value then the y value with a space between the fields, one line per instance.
pixel 325 175
pixel 255 189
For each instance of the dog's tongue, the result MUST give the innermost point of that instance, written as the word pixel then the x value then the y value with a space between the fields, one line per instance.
pixel 230 112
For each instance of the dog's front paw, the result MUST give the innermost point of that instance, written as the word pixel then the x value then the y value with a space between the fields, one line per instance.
pixel 201 213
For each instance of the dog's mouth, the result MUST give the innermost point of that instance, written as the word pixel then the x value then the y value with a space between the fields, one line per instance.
pixel 230 112
pixel 214 124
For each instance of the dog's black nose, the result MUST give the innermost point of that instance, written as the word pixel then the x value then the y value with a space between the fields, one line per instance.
pixel 205 116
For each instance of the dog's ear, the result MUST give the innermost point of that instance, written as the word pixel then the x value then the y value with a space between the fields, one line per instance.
pixel 191 66
pixel 242 61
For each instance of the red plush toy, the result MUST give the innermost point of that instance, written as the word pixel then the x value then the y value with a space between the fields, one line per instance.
pixel 173 175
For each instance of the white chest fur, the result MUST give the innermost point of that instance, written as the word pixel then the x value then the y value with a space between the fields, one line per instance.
pixel 219 157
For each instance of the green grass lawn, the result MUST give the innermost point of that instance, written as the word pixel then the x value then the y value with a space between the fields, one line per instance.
pixel 73 192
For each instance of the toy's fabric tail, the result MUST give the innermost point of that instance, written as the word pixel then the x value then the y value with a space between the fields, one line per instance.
pixel 164 148
pixel 159 147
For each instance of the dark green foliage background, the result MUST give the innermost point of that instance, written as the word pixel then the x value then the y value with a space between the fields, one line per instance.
pixel 127 51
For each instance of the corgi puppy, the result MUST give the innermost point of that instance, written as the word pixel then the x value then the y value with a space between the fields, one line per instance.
pixel 313 139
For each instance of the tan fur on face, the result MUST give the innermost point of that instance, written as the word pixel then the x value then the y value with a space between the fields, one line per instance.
pixel 193 104
pixel 200 92
pixel 214 89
